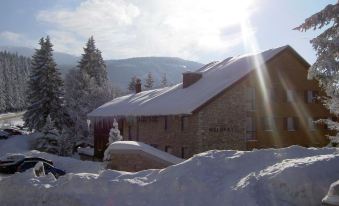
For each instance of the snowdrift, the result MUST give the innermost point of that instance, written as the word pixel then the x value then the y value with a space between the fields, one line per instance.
pixel 289 176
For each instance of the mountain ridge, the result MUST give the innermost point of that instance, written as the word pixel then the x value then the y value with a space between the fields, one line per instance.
pixel 120 71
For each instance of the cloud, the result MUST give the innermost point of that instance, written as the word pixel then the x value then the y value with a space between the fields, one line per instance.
pixel 125 28
pixel 14 38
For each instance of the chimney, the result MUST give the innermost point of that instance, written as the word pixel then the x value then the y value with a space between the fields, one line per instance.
pixel 137 86
pixel 189 78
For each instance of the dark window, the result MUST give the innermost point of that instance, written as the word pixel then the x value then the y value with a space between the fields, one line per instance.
pixel 311 96
pixel 165 123
pixel 26 165
pixel 291 123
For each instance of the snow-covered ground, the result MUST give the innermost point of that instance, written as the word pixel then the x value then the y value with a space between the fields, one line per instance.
pixel 289 176
pixel 11 119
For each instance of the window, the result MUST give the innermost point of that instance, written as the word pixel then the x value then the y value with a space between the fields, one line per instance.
pixel 250 128
pixel 311 124
pixel 311 96
pixel 291 124
pixel 268 123
pixel 290 95
pixel 168 149
pixel 250 98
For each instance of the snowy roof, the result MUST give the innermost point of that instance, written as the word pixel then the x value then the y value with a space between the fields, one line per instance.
pixel 139 146
pixel 174 100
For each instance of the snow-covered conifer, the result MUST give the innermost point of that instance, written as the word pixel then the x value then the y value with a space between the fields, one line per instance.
pixel 45 93
pixel 48 139
pixel 164 81
pixel 86 89
pixel 93 64
pixel 149 81
pixel 66 143
pixel 131 84
pixel 326 67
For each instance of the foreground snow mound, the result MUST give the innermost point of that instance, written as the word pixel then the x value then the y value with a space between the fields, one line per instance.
pixel 290 176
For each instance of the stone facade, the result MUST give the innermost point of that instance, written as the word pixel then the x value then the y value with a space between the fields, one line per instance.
pixel 222 122
pixel 217 125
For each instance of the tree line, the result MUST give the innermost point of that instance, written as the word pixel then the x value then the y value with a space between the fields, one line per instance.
pixel 57 109
pixel 148 82
pixel 14 73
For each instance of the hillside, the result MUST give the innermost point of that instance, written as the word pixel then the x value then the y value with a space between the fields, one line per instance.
pixel 120 71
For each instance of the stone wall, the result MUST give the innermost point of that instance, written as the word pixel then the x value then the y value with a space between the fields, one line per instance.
pixel 217 125
pixel 221 123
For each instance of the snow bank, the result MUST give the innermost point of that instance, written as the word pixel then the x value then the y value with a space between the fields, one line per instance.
pixel 290 176
pixel 135 146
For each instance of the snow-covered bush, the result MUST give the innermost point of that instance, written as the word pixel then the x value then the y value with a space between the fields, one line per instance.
pixel 48 139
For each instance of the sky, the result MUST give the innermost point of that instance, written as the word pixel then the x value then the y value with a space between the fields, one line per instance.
pixel 198 30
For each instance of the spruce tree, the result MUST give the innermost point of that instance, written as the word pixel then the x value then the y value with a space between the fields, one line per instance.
pixel 48 139
pixel 93 64
pixel 45 93
pixel 86 89
pixel 164 81
pixel 131 84
pixel 326 67
pixel 149 81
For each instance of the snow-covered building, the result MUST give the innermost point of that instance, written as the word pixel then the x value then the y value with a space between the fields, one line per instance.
pixel 256 100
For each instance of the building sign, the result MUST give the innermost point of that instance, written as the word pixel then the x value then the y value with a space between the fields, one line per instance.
pixel 230 127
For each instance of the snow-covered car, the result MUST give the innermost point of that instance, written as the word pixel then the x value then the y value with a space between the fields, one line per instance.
pixel 4 135
pixel 48 168
pixel 10 164
pixel 13 131
pixel 332 197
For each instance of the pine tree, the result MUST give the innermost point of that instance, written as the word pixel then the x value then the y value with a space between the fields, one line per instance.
pixel 93 64
pixel 114 133
pixel 326 67
pixel 45 93
pixel 86 89
pixel 149 81
pixel 164 81
pixel 65 142
pixel 79 88
pixel 131 84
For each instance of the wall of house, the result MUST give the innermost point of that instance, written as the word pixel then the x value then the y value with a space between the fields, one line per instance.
pixel 286 72
pixel 221 122
pixel 177 137
pixel 218 125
